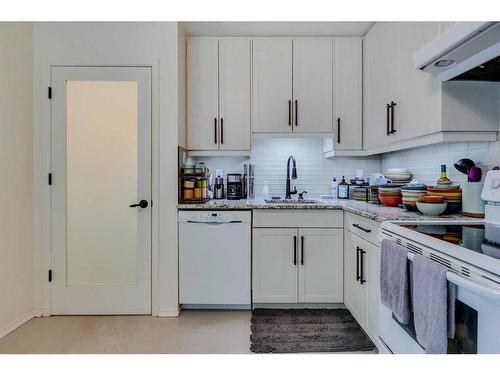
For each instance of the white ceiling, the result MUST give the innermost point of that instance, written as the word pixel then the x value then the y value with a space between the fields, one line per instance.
pixel 275 28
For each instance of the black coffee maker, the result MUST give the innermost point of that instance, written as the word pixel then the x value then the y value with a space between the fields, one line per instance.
pixel 234 185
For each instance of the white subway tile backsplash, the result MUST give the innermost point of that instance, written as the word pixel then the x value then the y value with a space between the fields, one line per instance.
pixel 314 172
pixel 424 162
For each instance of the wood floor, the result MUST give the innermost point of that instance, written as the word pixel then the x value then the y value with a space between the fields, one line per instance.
pixel 192 332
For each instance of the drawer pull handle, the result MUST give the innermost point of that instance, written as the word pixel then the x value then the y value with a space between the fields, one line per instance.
pixel 360 227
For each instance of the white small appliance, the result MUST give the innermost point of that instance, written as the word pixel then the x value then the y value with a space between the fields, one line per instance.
pixel 471 252
pixel 214 259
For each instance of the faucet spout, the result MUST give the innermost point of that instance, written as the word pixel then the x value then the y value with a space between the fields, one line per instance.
pixel 288 192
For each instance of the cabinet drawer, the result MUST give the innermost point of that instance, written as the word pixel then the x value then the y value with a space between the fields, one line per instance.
pixel 298 218
pixel 365 228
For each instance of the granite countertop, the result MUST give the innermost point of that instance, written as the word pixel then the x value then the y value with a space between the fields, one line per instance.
pixel 371 211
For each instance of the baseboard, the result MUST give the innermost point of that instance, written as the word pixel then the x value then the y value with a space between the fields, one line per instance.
pixel 9 327
pixel 169 312
pixel 299 306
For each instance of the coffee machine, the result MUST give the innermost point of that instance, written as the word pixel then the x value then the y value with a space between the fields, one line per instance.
pixel 234 185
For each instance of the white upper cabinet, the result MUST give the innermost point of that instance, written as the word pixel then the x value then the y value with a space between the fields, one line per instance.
pixel 272 85
pixel 404 107
pixel 218 94
pixel 234 94
pixel 379 82
pixel 348 94
pixel 292 85
pixel 312 85
pixel 202 94
pixel 418 93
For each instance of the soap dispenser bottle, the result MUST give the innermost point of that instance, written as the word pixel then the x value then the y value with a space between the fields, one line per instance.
pixel 343 189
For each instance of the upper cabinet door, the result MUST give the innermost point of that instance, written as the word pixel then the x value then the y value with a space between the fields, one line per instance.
pixel 348 73
pixel 378 83
pixel 418 109
pixel 202 94
pixel 272 85
pixel 312 85
pixel 234 94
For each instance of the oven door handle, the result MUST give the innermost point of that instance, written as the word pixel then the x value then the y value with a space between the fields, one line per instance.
pixel 475 287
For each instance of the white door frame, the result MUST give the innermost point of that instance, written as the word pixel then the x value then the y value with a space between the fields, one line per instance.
pixel 42 218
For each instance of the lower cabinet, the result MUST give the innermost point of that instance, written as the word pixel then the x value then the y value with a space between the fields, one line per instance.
pixel 361 281
pixel 297 265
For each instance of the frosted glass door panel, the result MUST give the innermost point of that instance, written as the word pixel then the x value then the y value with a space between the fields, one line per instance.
pixel 101 178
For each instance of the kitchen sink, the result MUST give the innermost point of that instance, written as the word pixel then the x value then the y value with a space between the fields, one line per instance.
pixel 291 201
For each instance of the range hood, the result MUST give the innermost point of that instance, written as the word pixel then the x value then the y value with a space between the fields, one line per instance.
pixel 467 51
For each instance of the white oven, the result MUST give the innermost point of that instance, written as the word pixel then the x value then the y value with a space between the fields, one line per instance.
pixel 474 272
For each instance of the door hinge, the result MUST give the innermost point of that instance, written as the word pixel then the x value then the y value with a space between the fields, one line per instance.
pixel 50 178
pixel 50 276
pixel 49 92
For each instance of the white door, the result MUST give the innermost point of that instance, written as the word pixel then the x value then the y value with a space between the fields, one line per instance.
pixel 379 65
pixel 234 94
pixel 272 85
pixel 347 127
pixel 274 265
pixel 321 265
pixel 101 164
pixel 202 94
pixel 312 85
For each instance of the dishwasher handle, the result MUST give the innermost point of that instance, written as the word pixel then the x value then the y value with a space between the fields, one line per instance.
pixel 214 222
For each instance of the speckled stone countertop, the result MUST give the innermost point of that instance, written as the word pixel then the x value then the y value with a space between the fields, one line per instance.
pixel 368 210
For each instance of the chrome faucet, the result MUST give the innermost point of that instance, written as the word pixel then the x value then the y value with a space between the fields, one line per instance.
pixel 294 176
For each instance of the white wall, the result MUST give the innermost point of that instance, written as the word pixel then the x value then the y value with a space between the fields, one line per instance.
pixel 314 172
pixel 425 162
pixel 16 177
pixel 115 43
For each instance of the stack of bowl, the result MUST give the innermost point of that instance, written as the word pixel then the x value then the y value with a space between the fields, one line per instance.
pixel 452 195
pixel 431 205
pixel 411 193
pixel 398 175
pixel 390 194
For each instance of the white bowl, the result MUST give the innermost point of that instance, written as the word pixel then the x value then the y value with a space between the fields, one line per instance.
pixel 397 170
pixel 431 209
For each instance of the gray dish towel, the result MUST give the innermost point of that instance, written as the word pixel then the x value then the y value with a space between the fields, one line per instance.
pixel 394 280
pixel 433 305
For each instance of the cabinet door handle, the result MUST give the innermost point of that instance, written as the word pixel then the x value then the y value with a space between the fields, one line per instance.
pixel 294 250
pixel 360 227
pixel 362 266
pixel 393 128
pixel 221 130
pixel 296 112
pixel 289 113
pixel 338 129
pixel 388 119
pixel 357 263
pixel 302 250
pixel 215 130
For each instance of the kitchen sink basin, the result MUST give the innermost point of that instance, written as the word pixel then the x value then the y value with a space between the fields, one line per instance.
pixel 291 201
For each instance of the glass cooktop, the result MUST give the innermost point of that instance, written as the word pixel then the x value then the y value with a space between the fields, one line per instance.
pixel 484 239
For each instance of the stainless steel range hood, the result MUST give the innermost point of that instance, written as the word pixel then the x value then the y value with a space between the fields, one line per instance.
pixel 467 51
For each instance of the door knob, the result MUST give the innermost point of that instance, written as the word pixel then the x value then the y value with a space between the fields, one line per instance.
pixel 142 204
